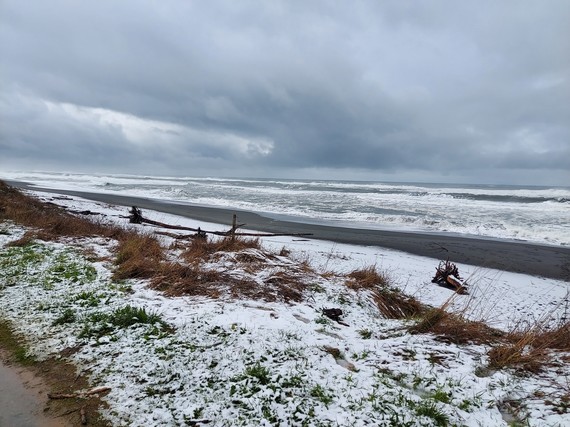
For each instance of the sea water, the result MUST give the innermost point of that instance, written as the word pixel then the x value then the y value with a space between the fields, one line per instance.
pixel 531 213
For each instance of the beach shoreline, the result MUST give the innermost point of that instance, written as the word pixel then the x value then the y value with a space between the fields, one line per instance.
pixel 515 256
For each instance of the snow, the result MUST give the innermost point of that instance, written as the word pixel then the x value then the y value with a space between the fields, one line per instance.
pixel 249 362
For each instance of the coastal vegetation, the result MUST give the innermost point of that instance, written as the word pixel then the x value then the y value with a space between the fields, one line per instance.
pixel 230 322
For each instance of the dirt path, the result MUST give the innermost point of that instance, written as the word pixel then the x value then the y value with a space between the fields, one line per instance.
pixel 23 398
pixel 24 388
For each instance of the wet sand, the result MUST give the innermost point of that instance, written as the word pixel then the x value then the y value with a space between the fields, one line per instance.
pixel 508 255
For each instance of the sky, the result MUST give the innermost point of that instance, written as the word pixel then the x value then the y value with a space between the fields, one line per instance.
pixel 432 91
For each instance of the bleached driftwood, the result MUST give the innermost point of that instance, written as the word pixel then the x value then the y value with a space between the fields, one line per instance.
pixel 79 394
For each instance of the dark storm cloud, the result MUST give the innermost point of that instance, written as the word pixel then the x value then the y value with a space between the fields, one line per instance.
pixel 269 86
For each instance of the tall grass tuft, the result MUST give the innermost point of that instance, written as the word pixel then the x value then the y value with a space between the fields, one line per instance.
pixel 138 256
pixel 557 337
pixel 199 250
pixel 396 305
pixel 530 348
pixel 391 303
pixel 452 327
pixel 367 278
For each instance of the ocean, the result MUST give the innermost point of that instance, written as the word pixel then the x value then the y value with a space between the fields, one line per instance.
pixel 535 214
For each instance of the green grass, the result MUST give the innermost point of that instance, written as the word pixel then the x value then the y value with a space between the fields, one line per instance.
pixel 23 357
pixel 87 299
pixel 259 372
pixel 16 261
pixel 322 320
pixel 441 396
pixel 41 265
pixel 468 405
pixel 67 268
pixel 428 408
pixel 129 315
pixel 99 324
pixel 14 344
pixel 121 286
pixel 96 325
pixel 68 316
pixel 322 395
pixel 295 381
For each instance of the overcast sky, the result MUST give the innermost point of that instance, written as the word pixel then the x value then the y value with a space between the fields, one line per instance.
pixel 455 91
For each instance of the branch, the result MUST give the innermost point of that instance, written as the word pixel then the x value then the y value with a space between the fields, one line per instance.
pixel 79 394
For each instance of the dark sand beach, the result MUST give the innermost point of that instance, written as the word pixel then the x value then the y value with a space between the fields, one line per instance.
pixel 508 255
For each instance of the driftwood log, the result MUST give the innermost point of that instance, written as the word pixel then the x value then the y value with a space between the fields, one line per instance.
pixel 136 217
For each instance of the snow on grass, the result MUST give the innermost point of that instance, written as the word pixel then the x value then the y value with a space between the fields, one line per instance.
pixel 502 299
pixel 174 361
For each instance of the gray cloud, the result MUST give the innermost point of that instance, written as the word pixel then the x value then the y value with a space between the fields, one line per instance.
pixel 465 91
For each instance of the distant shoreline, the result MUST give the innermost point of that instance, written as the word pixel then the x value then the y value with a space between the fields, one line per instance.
pixel 519 257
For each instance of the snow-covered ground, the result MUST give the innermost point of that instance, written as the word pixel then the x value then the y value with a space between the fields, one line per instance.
pixel 242 362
